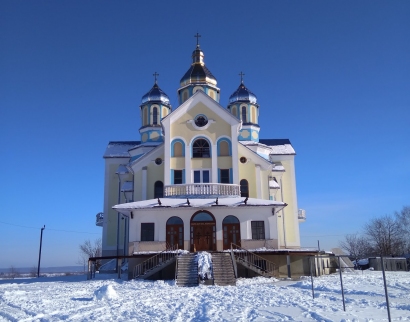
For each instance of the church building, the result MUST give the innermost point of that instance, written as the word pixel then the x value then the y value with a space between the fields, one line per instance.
pixel 200 177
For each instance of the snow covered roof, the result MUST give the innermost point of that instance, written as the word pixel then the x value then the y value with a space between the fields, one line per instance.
pixel 277 146
pixel 119 149
pixel 197 203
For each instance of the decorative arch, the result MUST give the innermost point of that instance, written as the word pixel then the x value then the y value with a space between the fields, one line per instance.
pixel 244 188
pixel 185 95
pixel 155 115
pixel 201 148
pixel 175 232
pixel 158 189
pixel 145 115
pixel 202 231
pixel 244 114
pixel 177 148
pixel 254 118
pixel 231 228
pixel 224 146
pixel 234 110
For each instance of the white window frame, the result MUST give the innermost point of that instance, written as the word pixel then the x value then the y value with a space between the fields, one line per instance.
pixel 201 174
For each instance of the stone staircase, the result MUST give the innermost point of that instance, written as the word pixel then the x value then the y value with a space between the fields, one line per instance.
pixel 223 271
pixel 187 270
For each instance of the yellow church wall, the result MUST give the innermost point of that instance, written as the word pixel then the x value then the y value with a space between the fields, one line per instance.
pixel 177 162
pixel 111 237
pixel 137 185
pixel 205 163
pixel 154 173
pixel 265 183
pixel 247 171
pixel 181 129
pixel 291 208
pixel 225 162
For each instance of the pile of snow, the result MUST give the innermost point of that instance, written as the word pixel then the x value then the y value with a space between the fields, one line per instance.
pixel 73 298
pixel 105 292
pixel 204 265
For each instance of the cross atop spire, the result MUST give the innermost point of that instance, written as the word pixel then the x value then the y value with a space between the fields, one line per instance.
pixel 241 74
pixel 197 36
pixel 155 76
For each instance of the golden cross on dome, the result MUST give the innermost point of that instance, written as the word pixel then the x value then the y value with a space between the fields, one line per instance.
pixel 241 74
pixel 155 76
pixel 197 36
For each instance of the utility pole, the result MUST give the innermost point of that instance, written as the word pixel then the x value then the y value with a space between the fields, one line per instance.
pixel 39 253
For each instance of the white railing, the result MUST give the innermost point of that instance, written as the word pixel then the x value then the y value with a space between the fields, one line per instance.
pixel 202 189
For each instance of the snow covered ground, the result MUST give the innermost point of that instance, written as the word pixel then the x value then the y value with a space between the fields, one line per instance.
pixel 73 298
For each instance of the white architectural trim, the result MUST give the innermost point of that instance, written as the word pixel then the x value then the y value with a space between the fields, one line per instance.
pixel 258 181
pixel 144 183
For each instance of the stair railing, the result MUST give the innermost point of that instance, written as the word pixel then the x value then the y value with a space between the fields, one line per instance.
pixel 155 261
pixel 253 261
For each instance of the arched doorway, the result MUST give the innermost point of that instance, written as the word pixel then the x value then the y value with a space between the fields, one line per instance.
pixel 203 231
pixel 175 232
pixel 231 228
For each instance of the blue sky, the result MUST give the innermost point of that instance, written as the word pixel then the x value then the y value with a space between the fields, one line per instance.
pixel 333 77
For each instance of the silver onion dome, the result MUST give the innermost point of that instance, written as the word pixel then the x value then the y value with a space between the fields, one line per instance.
pixel 243 94
pixel 155 94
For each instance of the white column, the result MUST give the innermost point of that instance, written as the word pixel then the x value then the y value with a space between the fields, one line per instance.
pixel 188 177
pixel 235 158
pixel 214 163
pixel 258 182
pixel 144 183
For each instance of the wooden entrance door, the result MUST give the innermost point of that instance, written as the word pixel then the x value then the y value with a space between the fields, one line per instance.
pixel 203 236
pixel 231 231
pixel 175 232
pixel 203 231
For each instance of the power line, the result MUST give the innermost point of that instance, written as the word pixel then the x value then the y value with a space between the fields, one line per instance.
pixel 67 231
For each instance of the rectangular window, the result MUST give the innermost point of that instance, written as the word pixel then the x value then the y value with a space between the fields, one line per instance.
pixel 177 176
pixel 147 231
pixel 201 176
pixel 258 229
pixel 225 176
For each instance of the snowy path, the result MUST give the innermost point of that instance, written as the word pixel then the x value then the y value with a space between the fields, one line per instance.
pixel 258 299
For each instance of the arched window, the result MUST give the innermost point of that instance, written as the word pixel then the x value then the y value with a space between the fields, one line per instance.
pixel 175 232
pixel 244 188
pixel 254 120
pixel 244 114
pixel 234 111
pixel 223 148
pixel 155 115
pixel 200 149
pixel 145 116
pixel 159 189
pixel 184 95
pixel 178 149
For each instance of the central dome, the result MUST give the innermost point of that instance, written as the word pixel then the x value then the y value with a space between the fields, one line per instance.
pixel 198 72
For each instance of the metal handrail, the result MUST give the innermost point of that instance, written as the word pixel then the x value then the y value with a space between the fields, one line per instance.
pixel 253 261
pixel 155 261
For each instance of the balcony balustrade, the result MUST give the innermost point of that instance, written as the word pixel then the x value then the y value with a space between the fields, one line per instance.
pixel 202 190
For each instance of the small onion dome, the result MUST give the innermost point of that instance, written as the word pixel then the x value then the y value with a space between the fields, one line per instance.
pixel 243 94
pixel 198 72
pixel 155 94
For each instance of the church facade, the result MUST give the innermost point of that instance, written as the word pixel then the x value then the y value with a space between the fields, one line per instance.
pixel 200 177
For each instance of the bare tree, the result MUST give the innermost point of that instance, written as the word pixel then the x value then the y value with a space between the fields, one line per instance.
pixel 13 272
pixel 357 247
pixel 89 249
pixel 403 218
pixel 385 236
